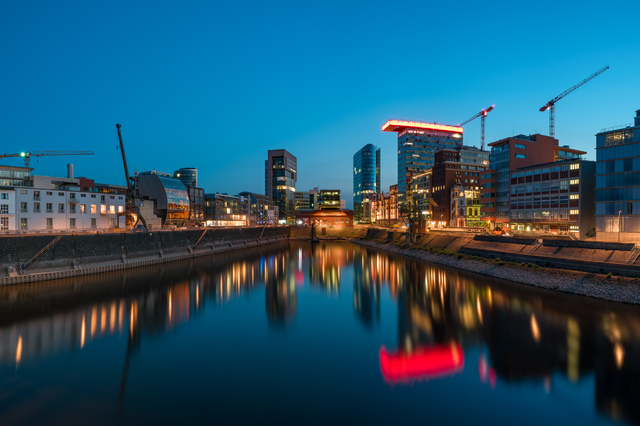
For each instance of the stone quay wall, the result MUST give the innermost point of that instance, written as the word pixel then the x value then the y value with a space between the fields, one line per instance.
pixel 75 255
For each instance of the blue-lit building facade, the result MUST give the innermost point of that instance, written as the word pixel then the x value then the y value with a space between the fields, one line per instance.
pixel 169 196
pixel 618 183
pixel 188 176
pixel 417 144
pixel 366 181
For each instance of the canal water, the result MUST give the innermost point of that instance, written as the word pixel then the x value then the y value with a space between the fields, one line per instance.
pixel 299 334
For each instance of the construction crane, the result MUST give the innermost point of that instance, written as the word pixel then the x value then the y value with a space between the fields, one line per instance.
pixel 551 105
pixel 483 114
pixel 28 154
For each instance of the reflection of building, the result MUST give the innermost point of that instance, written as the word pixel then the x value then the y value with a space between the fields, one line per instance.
pixel 618 183
pixel 281 174
pixel 169 196
pixel 417 143
pixel 187 175
pixel 366 181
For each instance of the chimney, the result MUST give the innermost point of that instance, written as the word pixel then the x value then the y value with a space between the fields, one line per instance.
pixel 70 171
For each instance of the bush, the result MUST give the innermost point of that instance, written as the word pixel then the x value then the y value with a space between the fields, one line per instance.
pixel 609 275
pixel 619 279
pixel 501 263
pixel 460 255
pixel 531 265
pixel 497 259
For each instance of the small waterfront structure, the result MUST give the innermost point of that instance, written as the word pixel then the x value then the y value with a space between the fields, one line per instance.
pixel 169 195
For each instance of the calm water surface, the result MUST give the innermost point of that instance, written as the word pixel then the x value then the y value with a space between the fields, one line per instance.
pixel 301 334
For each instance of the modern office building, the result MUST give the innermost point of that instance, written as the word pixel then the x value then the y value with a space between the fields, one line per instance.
pixel 555 198
pixel 263 209
pixel 510 154
pixel 196 205
pixel 417 144
pixel 280 176
pixel 618 183
pixel 307 200
pixel 366 180
pixel 188 176
pixel 330 199
pixel 170 199
pixel 225 210
pixel 458 166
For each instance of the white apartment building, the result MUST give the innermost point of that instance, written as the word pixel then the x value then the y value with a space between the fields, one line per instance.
pixel 57 204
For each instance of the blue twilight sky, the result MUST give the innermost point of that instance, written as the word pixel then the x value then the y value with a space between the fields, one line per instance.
pixel 214 85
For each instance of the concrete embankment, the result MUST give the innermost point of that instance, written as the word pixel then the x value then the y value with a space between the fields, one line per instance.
pixel 23 260
pixel 480 254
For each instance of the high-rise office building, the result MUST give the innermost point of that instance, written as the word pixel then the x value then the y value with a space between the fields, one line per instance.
pixel 417 143
pixel 280 176
pixel 188 176
pixel 618 183
pixel 366 178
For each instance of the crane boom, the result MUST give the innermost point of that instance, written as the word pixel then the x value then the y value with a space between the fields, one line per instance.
pixel 482 114
pixel 551 105
pixel 28 154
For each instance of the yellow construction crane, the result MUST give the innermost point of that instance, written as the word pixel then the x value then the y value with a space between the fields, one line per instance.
pixel 28 154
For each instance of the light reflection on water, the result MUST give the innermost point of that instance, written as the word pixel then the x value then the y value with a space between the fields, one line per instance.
pixel 283 328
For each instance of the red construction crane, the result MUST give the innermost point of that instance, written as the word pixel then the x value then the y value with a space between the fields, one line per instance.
pixel 482 114
pixel 28 154
pixel 551 105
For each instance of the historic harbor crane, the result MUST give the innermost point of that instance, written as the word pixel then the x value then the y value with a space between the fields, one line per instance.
pixel 483 114
pixel 551 105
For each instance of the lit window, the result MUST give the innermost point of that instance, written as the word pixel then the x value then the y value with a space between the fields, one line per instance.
pixel 93 209
pixel 575 181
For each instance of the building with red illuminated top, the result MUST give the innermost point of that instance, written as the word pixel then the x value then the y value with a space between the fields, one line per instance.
pixel 417 143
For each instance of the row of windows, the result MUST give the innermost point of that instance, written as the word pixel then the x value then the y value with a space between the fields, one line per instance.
pixel 24 208
pixel 543 214
pixel 620 151
pixel 618 194
pixel 612 181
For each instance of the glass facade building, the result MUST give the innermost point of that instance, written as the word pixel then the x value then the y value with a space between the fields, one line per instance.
pixel 618 183
pixel 417 144
pixel 188 176
pixel 281 174
pixel 366 178
pixel 171 199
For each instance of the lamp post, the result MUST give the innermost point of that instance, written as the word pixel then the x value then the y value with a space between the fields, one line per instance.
pixel 619 225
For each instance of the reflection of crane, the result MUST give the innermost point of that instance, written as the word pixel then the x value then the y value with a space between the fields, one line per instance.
pixel 551 105
pixel 482 114
pixel 28 154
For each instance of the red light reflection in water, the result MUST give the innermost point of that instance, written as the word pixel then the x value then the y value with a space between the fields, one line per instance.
pixel 422 364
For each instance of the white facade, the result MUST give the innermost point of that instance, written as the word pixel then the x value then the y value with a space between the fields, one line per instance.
pixel 7 209
pixel 64 210
pixel 36 210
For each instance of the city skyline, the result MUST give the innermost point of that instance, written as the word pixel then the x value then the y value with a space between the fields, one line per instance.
pixel 194 86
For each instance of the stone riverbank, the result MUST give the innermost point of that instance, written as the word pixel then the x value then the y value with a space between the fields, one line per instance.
pixel 614 289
